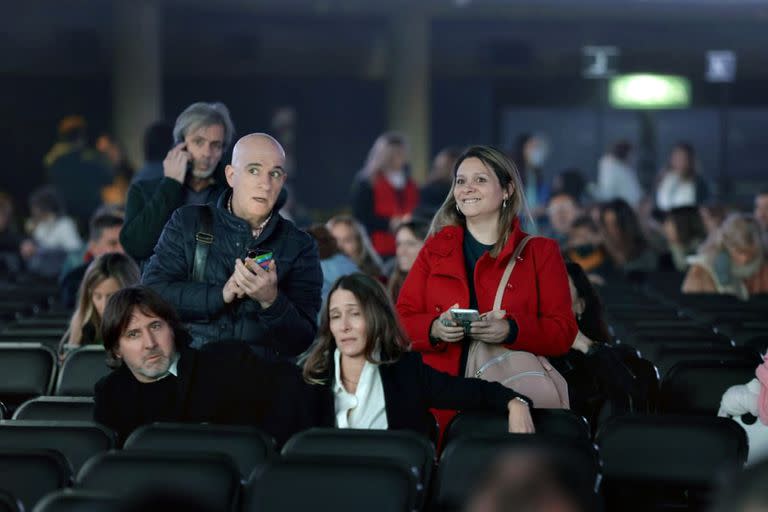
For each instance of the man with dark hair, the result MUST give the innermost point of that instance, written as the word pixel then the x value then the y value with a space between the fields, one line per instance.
pixel 158 377
pixel 562 210
pixel 202 134
pixel 103 237
pixel 158 140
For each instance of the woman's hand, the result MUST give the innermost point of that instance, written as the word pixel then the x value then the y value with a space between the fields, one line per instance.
pixel 492 328
pixel 520 421
pixel 445 329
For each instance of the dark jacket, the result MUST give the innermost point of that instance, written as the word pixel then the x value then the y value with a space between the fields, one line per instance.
pixel 411 388
pixel 286 328
pixel 149 205
pixel 222 383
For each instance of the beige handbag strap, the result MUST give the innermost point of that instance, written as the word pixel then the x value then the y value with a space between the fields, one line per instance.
pixel 508 271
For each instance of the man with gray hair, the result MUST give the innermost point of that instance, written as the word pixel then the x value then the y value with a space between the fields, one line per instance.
pixel 202 133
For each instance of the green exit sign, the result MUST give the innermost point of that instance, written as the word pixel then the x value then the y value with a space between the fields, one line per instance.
pixel 641 91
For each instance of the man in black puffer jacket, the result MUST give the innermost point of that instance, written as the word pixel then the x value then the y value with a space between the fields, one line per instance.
pixel 271 305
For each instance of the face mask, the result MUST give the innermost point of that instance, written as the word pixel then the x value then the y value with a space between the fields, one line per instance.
pixel 748 270
pixel 584 250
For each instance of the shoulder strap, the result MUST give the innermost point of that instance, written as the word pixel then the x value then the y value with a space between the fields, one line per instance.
pixel 203 241
pixel 508 271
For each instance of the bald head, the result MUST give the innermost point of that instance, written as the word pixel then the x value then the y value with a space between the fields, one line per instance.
pixel 256 143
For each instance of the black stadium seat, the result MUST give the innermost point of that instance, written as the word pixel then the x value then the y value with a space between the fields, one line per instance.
pixel 26 371
pixel 210 479
pixel 465 460
pixel 77 500
pixel 9 503
pixel 81 370
pixel 695 387
pixel 76 440
pixel 652 462
pixel 339 484
pixel 248 447
pixel 30 474
pixel 410 450
pixel 56 408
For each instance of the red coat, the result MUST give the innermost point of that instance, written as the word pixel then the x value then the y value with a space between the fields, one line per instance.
pixel 537 297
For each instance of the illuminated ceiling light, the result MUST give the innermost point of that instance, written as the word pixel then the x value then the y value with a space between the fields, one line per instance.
pixel 649 91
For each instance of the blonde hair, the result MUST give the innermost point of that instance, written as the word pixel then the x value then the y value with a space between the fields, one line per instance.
pixel 111 265
pixel 381 153
pixel 506 172
pixel 738 231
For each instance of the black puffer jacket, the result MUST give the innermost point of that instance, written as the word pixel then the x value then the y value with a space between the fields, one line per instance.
pixel 283 330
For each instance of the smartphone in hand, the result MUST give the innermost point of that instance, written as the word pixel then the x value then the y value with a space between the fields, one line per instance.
pixel 261 257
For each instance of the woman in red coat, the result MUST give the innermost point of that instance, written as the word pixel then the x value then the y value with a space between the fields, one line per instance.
pixel 474 234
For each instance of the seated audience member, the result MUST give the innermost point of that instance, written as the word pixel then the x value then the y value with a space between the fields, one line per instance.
pixel 10 239
pixel 272 305
pixel 616 179
pixel 409 239
pixel 595 373
pixel 733 261
pixel 531 480
pixel 713 215
pixel 157 377
pixel 586 247
pixel 433 193
pixel 105 275
pixel 333 262
pixel 360 373
pixel 761 210
pixel 685 232
pixel 53 234
pixel 353 241
pixel 562 210
pixel 203 132
pixel 624 239
pixel 680 183
pixel 384 194
pixel 103 237
pixel 571 181
pixel 472 239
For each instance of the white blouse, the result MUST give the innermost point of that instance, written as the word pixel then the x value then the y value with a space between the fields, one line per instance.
pixel 365 408
pixel 674 192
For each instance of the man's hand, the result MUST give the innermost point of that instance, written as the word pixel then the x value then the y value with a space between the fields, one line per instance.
pixel 493 328
pixel 445 329
pixel 257 283
pixel 175 163
pixel 520 421
pixel 231 290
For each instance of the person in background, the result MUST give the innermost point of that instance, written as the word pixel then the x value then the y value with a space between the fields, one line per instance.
pixel 586 247
pixel 158 140
pixel 438 182
pixel 680 183
pixel 562 210
pixel 333 262
pixel 761 210
pixel 732 262
pixel 353 241
pixel 616 179
pixel 410 237
pixel 105 275
pixel 624 239
pixel 104 237
pixel 10 239
pixel 384 194
pixel 530 153
pixel 471 240
pixel 360 373
pixel 572 182
pixel 115 193
pixel 685 232
pixel 712 215
pixel 202 133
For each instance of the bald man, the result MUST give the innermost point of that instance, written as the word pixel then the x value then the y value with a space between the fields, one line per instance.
pixel 259 281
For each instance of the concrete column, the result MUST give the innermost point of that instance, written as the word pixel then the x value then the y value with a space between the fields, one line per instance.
pixel 409 85
pixel 136 74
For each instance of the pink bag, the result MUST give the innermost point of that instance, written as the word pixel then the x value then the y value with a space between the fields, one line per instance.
pixel 526 373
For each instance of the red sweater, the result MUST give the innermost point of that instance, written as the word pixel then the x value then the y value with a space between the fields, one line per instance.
pixel 537 296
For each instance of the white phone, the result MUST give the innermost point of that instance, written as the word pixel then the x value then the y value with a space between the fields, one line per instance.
pixel 465 316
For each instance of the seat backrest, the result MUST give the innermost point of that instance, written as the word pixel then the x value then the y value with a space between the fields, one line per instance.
pixel 30 474
pixel 339 483
pixel 667 357
pixel 248 447
pixel 558 422
pixel 56 408
pixel 9 502
pixel 670 448
pixel 466 460
pixel 408 449
pixel 210 479
pixel 76 440
pixel 81 370
pixel 27 371
pixel 696 387
pixel 77 500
